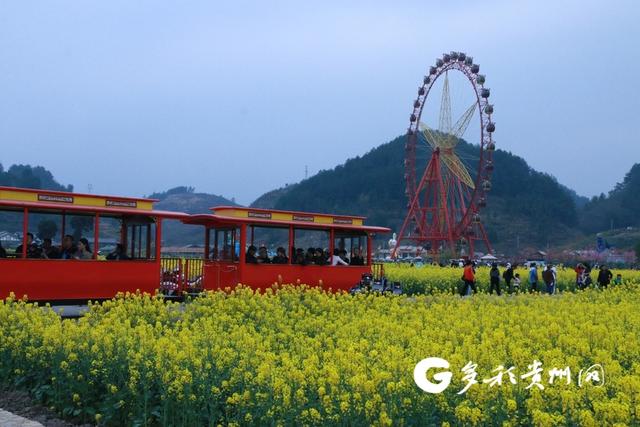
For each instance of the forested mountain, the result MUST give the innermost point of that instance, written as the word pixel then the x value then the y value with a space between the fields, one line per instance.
pixel 185 199
pixel 525 207
pixel 30 177
pixel 619 209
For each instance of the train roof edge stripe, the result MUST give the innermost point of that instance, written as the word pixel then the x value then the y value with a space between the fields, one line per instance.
pixel 285 212
pixel 67 193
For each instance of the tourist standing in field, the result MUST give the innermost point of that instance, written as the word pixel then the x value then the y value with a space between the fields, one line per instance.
pixel 516 283
pixel 548 277
pixel 533 278
pixel 587 276
pixel 494 277
pixel 507 275
pixel 579 275
pixel 469 278
pixel 618 279
pixel 604 276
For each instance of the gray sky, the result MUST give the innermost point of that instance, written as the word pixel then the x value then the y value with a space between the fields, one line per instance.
pixel 235 98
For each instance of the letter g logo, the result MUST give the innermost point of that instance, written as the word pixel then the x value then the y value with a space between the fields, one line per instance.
pixel 443 378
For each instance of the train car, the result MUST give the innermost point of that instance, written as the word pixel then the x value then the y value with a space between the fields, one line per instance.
pixel 67 248
pixel 122 235
pixel 259 247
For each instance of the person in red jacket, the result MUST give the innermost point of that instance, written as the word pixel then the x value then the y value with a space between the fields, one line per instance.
pixel 469 278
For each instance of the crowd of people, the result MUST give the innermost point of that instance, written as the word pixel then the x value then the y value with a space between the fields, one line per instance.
pixel 544 281
pixel 68 249
pixel 313 256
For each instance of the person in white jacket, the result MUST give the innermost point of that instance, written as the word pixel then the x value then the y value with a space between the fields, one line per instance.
pixel 335 259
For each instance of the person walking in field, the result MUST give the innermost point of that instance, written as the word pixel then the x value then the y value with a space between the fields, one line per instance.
pixel 533 278
pixel 618 279
pixel 548 277
pixel 604 277
pixel 516 283
pixel 579 275
pixel 494 277
pixel 469 278
pixel 507 275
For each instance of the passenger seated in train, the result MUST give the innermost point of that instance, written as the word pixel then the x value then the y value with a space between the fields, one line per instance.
pixel 318 257
pixel 48 250
pixel 326 255
pixel 281 256
pixel 68 248
pixel 118 254
pixel 310 256
pixel 299 257
pixel 3 252
pixel 251 255
pixel 356 257
pixel 263 255
pixel 33 251
pixel 343 255
pixel 335 259
pixel 84 250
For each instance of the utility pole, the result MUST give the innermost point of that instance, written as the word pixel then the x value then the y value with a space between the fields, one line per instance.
pixel 306 171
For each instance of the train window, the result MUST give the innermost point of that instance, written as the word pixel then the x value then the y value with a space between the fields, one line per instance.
pixel 140 237
pixel 352 247
pixel 224 244
pixel 79 226
pixel 269 238
pixel 10 232
pixel 310 245
pixel 111 235
pixel 47 230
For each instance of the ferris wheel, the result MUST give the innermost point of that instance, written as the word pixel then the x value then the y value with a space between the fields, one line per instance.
pixel 447 180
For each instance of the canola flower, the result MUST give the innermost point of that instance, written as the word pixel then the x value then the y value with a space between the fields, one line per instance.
pixel 303 356
pixel 434 279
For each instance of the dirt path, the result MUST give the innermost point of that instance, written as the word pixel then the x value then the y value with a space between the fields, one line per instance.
pixel 18 403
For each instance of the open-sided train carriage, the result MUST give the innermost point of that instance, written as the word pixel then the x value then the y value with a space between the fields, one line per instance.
pixel 104 221
pixel 132 230
pixel 228 229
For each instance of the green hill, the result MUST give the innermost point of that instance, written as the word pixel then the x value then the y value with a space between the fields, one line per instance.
pixel 619 209
pixel 526 208
pixel 26 176
pixel 185 199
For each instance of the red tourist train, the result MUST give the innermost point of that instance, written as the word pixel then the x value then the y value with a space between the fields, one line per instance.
pixel 129 230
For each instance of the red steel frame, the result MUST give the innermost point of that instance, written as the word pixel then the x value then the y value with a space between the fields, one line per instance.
pixel 429 195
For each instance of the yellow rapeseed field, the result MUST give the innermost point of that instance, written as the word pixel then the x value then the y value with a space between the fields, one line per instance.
pixel 435 279
pixel 299 356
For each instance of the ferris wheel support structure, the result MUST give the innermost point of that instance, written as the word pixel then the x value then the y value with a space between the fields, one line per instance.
pixel 444 200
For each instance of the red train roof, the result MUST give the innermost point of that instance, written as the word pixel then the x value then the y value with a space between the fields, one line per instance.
pixel 211 219
pixel 62 201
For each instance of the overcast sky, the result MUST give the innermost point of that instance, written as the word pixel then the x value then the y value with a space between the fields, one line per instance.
pixel 235 98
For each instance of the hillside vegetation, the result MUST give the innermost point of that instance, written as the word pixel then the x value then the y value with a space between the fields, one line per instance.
pixel 525 207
